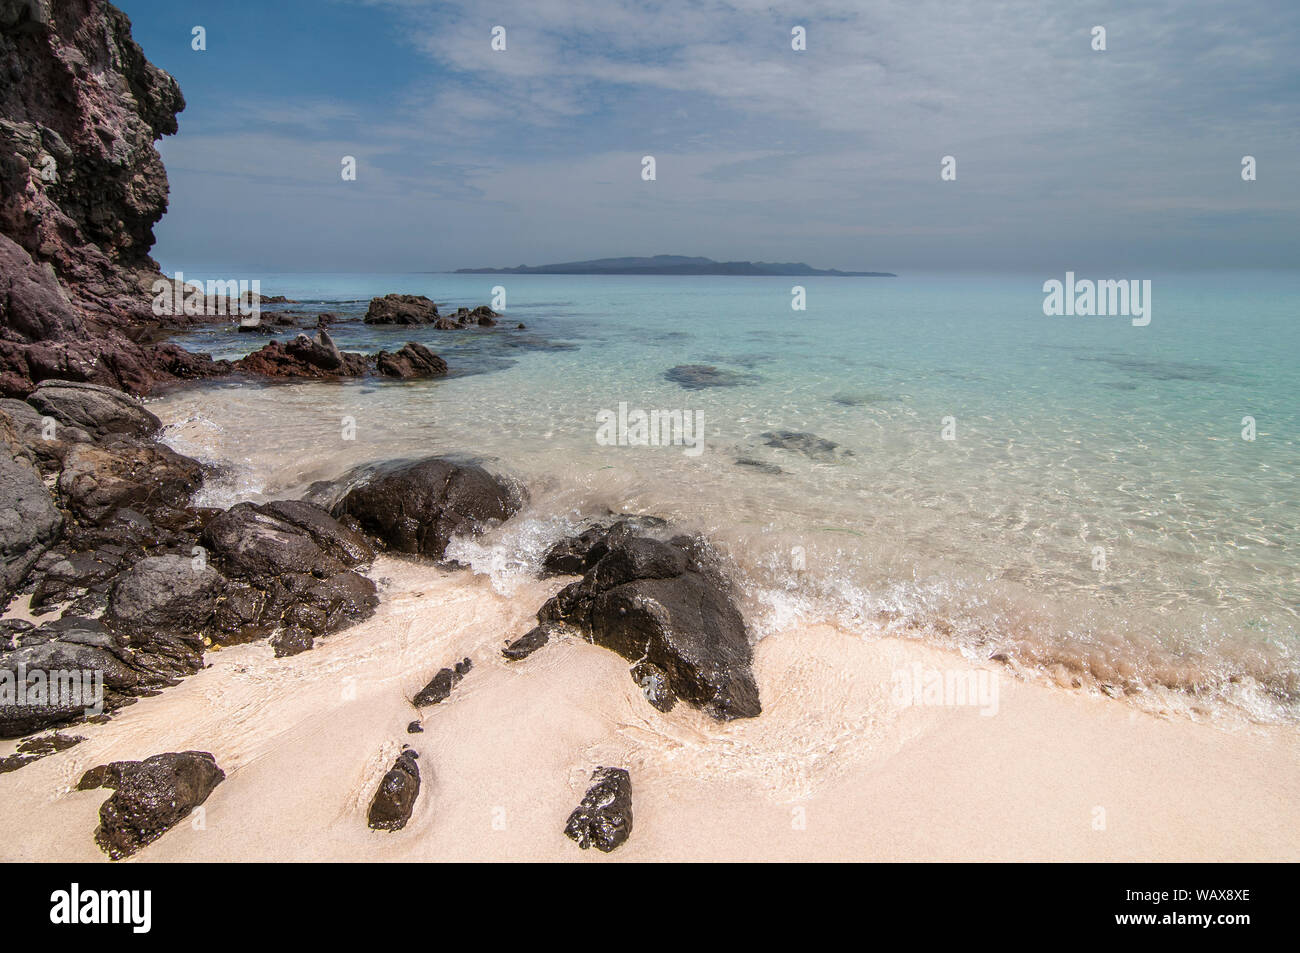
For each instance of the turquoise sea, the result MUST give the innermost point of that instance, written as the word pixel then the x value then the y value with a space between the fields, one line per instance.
pixel 1099 515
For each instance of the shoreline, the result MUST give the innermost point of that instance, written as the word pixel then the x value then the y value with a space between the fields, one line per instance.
pixel 834 768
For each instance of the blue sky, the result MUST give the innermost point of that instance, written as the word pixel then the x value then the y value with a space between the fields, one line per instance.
pixel 1067 158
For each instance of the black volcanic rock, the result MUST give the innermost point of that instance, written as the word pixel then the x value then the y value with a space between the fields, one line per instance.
pixel 603 819
pixel 417 506
pixel 149 797
pixel 442 683
pixel 661 603
pixel 395 799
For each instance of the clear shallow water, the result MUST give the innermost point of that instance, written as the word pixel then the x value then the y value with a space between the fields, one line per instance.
pixel 1075 436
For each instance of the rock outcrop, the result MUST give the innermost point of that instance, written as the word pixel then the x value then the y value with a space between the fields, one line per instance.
pixel 663 606
pixel 81 188
pixel 411 361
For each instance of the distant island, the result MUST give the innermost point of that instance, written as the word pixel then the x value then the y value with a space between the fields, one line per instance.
pixel 673 265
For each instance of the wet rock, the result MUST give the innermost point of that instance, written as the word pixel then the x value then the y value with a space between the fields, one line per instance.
pixel 603 819
pixel 702 376
pixel 664 603
pixel 574 555
pixel 531 641
pixel 416 507
pixel 401 309
pixel 441 685
pixel 165 593
pixel 98 479
pixel 46 445
pixel 393 802
pixel 292 640
pixel 415 728
pixel 149 797
pixel 29 521
pixel 33 749
pixel 655 685
pixel 809 444
pixel 412 361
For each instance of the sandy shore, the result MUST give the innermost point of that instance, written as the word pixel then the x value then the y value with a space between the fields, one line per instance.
pixel 836 767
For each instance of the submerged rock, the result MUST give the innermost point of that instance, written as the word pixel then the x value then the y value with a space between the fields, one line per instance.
pixel 701 376
pixel 809 444
pixel 441 685
pixel 603 819
pixel 417 506
pixel 150 797
pixel 393 802
pixel 33 749
pixel 658 602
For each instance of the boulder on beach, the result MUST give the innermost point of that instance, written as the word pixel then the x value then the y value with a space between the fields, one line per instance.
pixel 603 819
pixel 98 479
pixel 658 602
pixel 441 684
pixel 417 506
pixel 149 797
pixel 532 640
pixel 99 411
pixel 395 799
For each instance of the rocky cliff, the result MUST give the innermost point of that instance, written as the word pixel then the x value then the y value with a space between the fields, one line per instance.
pixel 81 187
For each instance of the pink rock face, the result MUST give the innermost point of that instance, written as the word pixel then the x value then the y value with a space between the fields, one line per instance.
pixel 81 188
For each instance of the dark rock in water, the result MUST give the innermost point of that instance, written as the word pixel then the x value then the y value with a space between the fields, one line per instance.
pixel 440 687
pixel 401 309
pixel 395 799
pixel 574 555
pixel 415 728
pixel 655 685
pixel 317 357
pixel 701 376
pixel 759 465
pixel 99 411
pixel 413 360
pixel 531 641
pixel 858 400
pixel 149 797
pixel 603 819
pixel 33 749
pixel 662 602
pixel 521 326
pixel 29 521
pixel 168 593
pixel 416 507
pixel 808 444
pixel 98 479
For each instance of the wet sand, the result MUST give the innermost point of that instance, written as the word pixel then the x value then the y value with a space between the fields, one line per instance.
pixel 836 768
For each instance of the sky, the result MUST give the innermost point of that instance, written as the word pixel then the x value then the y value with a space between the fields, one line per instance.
pixel 1111 162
